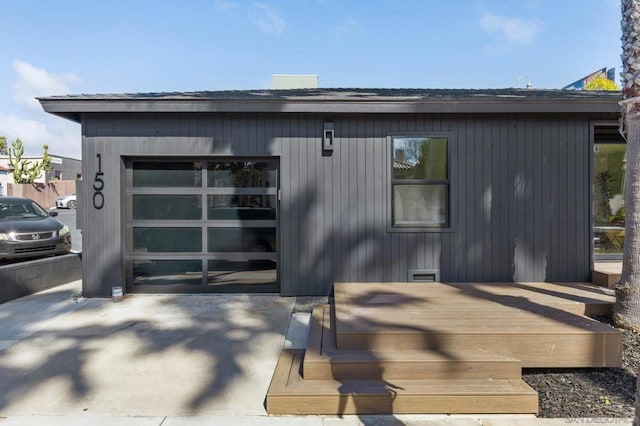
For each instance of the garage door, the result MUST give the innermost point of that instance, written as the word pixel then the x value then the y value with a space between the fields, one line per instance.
pixel 201 226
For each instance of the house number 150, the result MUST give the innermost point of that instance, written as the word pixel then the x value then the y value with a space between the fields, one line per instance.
pixel 98 185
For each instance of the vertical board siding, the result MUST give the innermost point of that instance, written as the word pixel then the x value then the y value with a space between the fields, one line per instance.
pixel 519 194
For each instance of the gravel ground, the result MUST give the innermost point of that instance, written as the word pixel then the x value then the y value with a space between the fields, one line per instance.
pixel 570 393
pixel 306 303
pixel 589 392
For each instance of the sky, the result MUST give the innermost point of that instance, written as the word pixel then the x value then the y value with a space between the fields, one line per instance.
pixel 130 46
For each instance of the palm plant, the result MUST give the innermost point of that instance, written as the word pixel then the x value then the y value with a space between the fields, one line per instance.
pixel 627 307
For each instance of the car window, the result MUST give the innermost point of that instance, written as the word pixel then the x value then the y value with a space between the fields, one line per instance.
pixel 20 209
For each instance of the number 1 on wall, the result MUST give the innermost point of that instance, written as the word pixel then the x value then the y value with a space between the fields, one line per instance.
pixel 98 185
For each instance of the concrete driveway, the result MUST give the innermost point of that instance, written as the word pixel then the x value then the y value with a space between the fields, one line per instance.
pixel 146 356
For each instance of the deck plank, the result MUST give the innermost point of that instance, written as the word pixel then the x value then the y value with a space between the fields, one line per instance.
pixel 541 324
pixel 340 397
pixel 322 360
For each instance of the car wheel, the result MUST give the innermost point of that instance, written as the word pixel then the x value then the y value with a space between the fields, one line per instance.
pixel 71 204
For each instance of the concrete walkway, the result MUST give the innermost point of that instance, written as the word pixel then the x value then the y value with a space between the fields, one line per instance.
pixel 160 361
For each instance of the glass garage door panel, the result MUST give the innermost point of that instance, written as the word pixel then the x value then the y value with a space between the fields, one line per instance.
pixel 167 240
pixel 247 240
pixel 259 274
pixel 155 174
pixel 243 174
pixel 167 272
pixel 241 207
pixel 198 226
pixel 167 207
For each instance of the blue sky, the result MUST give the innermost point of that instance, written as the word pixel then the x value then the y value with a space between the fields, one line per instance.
pixel 68 46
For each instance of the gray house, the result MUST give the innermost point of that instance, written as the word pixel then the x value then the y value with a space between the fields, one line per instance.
pixel 292 190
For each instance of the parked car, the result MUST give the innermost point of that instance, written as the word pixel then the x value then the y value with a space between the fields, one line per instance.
pixel 27 230
pixel 66 202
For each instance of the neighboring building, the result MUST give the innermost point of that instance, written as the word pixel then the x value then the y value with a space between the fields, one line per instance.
pixel 610 74
pixel 62 168
pixel 290 191
pixel 4 180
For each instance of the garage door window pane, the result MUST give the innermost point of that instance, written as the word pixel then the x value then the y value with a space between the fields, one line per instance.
pixel 255 240
pixel 167 207
pixel 420 205
pixel 159 174
pixel 242 174
pixel 167 272
pixel 226 272
pixel 242 207
pixel 164 240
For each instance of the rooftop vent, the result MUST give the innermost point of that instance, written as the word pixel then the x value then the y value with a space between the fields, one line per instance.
pixel 294 81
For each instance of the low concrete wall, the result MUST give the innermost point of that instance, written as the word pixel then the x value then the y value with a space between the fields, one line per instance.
pixel 24 278
pixel 44 194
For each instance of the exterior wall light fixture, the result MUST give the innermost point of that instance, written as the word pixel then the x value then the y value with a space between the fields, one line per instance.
pixel 328 136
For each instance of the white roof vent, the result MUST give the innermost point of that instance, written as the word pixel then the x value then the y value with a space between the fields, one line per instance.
pixel 294 81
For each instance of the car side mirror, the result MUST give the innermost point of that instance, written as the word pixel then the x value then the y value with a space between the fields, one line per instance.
pixel 53 214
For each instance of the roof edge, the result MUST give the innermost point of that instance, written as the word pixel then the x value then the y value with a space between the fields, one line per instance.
pixel 508 101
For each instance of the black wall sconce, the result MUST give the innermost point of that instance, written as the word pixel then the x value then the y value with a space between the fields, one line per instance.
pixel 328 136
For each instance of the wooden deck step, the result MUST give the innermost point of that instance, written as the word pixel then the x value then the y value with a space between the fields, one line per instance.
pixel 323 361
pixel 531 325
pixel 606 274
pixel 289 393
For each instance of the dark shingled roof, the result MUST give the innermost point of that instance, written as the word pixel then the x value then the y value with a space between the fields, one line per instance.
pixel 337 101
pixel 352 94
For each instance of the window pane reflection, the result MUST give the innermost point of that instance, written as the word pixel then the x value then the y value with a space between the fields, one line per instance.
pixel 167 174
pixel 167 207
pixel 609 212
pixel 163 240
pixel 166 272
pixel 420 158
pixel 242 207
pixel 242 174
pixel 256 240
pixel 225 272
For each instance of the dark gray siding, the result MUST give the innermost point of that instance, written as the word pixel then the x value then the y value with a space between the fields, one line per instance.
pixel 519 194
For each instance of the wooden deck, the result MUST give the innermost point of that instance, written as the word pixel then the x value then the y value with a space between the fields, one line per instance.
pixel 541 324
pixel 441 348
pixel 607 273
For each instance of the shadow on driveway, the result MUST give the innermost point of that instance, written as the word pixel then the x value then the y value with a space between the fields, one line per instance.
pixel 146 356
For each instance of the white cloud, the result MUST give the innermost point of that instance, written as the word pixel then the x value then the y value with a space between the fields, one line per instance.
pixel 34 82
pixel 63 138
pixel 346 27
pixel 512 30
pixel 267 18
pixel 224 5
pixel 34 126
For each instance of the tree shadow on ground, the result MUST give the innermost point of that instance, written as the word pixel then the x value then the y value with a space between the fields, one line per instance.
pixel 149 355
pixel 616 385
pixel 389 305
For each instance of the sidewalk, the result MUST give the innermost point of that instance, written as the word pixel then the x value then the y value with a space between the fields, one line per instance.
pixel 161 361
